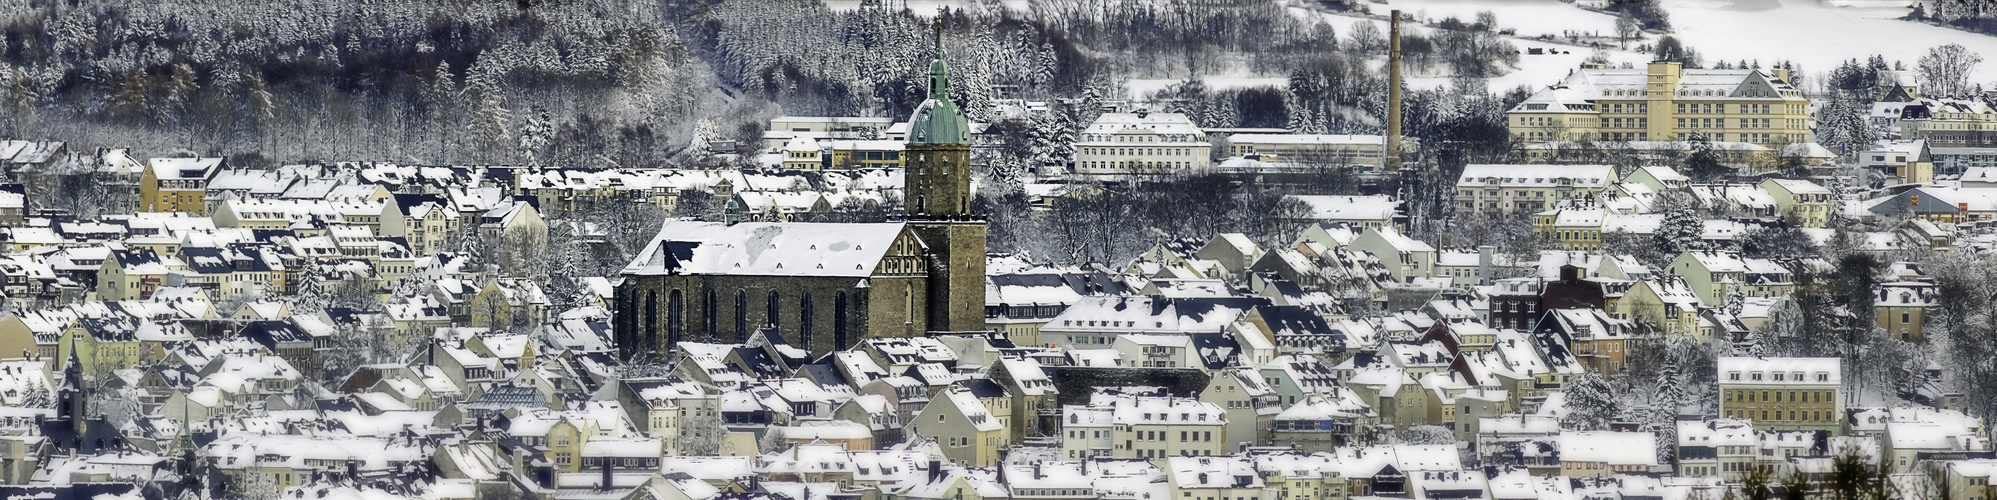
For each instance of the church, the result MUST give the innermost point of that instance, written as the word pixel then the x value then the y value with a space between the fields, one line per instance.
pixel 823 287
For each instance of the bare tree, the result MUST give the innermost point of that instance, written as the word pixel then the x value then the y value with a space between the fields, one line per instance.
pixel 1945 70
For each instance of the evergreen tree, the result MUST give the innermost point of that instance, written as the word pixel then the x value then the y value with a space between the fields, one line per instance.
pixel 1680 233
pixel 1703 165
pixel 1591 403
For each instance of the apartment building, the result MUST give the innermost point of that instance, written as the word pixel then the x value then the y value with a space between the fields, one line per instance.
pixel 1782 393
pixel 1801 202
pixel 1497 189
pixel 1663 101
pixel 1127 426
pixel 1142 142
pixel 177 184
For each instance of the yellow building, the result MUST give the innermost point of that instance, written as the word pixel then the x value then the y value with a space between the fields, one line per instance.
pixel 962 426
pixel 1782 393
pixel 1571 228
pixel 1800 201
pixel 1666 304
pixel 103 344
pixel 133 274
pixel 867 154
pixel 1901 308
pixel 177 184
pixel 1665 102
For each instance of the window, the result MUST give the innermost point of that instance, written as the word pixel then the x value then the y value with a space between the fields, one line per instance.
pixel 742 316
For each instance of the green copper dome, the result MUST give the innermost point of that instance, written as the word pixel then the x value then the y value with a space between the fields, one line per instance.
pixel 937 120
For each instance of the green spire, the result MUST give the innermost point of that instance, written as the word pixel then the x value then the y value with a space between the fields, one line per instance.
pixel 939 74
pixel 186 434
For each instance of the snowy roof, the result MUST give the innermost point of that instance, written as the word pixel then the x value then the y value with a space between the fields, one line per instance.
pixel 1814 370
pixel 1308 139
pixel 1613 448
pixel 1380 208
pixel 1160 123
pixel 768 249
pixel 1588 176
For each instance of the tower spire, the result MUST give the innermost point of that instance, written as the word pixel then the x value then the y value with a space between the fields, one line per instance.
pixel 939 74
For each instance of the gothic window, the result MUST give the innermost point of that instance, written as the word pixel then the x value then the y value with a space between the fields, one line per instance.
pixel 804 312
pixel 775 308
pixel 651 318
pixel 742 316
pixel 839 321
pixel 674 328
pixel 707 312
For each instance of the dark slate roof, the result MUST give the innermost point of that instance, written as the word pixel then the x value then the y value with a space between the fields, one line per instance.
pixel 1295 320
pixel 405 201
pixel 1215 349
pixel 97 437
pixel 984 388
pixel 110 329
pixel 270 234
pixel 216 262
pixel 135 257
pixel 759 362
pixel 1199 307
pixel 495 401
pixel 825 374
pixel 270 333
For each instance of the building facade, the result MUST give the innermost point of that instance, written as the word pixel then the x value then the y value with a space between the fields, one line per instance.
pixel 1783 393
pixel 1141 143
pixel 1663 101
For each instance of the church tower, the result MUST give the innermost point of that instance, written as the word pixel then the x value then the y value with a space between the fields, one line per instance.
pixel 938 196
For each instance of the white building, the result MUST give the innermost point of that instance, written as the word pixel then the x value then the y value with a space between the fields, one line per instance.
pixel 1130 143
pixel 1124 426
pixel 1504 189
pixel 1322 149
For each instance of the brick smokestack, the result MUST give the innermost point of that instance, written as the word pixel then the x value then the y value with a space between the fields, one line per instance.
pixel 1392 163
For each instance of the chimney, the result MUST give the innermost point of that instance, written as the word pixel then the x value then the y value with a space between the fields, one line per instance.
pixel 1393 160
pixel 606 473
pixel 1570 274
pixel 1484 271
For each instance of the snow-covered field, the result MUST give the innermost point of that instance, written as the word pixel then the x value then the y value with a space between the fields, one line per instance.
pixel 1529 17
pixel 1815 36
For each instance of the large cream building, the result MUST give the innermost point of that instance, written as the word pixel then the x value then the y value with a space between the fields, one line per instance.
pixel 1664 102
pixel 1782 393
pixel 1142 143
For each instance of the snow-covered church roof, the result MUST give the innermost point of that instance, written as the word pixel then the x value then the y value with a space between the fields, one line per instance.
pixel 769 249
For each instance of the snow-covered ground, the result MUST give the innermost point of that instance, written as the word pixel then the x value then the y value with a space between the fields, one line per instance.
pixel 1529 17
pixel 1815 36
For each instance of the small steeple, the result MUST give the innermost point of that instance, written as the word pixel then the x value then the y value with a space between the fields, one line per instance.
pixel 939 73
pixel 186 433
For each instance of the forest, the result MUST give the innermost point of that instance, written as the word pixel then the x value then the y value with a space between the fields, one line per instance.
pixel 634 83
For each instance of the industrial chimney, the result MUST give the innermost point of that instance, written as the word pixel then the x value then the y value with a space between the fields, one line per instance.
pixel 1392 163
